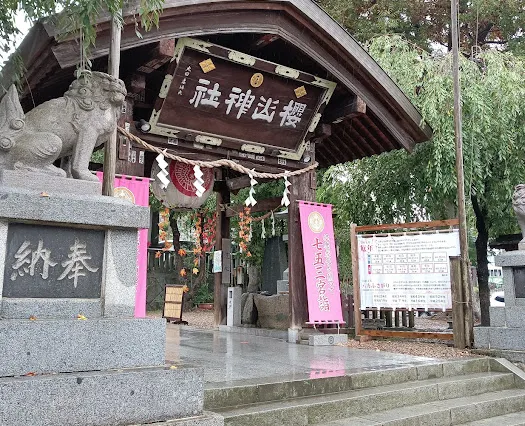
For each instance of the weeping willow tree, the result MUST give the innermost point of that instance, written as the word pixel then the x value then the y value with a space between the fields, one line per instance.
pixel 73 17
pixel 398 186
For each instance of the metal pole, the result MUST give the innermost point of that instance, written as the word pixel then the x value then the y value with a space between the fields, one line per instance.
pixel 463 241
pixel 110 150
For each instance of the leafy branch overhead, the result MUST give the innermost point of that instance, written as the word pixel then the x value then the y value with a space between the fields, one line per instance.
pixel 70 16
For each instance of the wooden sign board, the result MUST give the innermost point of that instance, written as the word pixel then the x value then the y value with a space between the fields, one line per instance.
pixel 173 303
pixel 220 97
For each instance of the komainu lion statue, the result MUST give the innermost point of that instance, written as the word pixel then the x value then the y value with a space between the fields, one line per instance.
pixel 518 203
pixel 67 128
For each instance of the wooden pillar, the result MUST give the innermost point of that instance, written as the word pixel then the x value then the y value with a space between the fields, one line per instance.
pixel 220 292
pixel 302 188
pixel 110 148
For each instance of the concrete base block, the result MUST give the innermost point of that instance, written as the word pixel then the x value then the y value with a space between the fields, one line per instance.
pixel 293 335
pixel 54 346
pixel 67 208
pixel 327 339
pixel 497 316
pixel 282 286
pixel 127 397
pixel 53 185
pixel 49 308
pixel 511 258
pixel 499 338
pixel 515 317
pixel 481 337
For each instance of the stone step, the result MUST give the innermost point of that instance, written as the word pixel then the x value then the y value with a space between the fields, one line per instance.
pixel 102 398
pixel 206 419
pixel 221 396
pixel 512 419
pixel 321 409
pixel 458 411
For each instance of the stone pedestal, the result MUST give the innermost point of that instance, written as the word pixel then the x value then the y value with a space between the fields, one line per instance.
pixel 233 313
pixel 71 351
pixel 507 324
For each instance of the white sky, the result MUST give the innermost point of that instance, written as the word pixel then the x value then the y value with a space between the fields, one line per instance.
pixel 23 26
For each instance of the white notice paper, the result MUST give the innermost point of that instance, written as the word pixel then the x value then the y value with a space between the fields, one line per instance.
pixel 406 271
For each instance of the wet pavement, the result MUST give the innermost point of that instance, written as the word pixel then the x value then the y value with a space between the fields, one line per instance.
pixel 232 358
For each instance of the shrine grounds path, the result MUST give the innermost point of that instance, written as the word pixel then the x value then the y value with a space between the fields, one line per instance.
pixel 233 358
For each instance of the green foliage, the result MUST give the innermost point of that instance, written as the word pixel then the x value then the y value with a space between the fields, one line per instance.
pixel 428 21
pixel 203 295
pixel 73 17
pixel 257 244
pixel 398 186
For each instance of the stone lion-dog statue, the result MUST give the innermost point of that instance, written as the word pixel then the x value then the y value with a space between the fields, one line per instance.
pixel 67 128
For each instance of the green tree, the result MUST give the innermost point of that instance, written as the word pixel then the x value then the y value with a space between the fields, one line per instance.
pixel 71 16
pixel 397 186
pixel 492 22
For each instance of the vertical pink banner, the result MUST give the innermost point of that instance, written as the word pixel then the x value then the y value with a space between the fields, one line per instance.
pixel 320 263
pixel 136 190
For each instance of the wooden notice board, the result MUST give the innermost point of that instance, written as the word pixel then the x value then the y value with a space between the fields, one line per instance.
pixel 173 303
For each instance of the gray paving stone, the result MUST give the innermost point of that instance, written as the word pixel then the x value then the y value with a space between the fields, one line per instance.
pixel 515 317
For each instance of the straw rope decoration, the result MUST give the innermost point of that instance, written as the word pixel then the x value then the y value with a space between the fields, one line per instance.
pixel 217 163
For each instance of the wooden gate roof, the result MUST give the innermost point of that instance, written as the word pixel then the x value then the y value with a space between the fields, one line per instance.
pixel 367 115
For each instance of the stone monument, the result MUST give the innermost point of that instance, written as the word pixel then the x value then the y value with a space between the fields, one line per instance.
pixel 71 351
pixel 506 334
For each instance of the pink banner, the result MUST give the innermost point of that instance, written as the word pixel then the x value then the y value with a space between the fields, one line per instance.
pixel 136 190
pixel 320 263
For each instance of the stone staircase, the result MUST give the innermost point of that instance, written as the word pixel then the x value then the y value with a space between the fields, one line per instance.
pixel 468 392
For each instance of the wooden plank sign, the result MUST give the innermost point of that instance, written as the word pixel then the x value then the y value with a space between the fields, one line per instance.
pixel 173 303
pixel 217 96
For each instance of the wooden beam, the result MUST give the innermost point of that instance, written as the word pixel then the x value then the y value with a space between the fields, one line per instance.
pixel 110 149
pixel 161 54
pixel 302 188
pixel 458 313
pixel 222 231
pixel 241 182
pixel 263 41
pixel 344 109
pixel 261 206
pixel 410 225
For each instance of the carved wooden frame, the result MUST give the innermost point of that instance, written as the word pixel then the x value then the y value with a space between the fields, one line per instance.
pixel 244 59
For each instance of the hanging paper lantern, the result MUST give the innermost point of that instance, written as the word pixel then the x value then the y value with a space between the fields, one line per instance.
pixel 181 191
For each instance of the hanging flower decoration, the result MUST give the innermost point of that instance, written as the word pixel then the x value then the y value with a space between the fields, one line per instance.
pixel 158 254
pixel 183 272
pixel 244 231
pixel 182 252
pixel 185 288
pixel 195 271
pixel 209 232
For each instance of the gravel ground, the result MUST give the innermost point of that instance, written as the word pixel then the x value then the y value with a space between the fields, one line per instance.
pixel 412 347
pixel 196 318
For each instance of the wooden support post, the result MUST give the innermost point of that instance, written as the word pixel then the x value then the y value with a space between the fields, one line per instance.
pixel 404 316
pixel 355 278
pixel 302 188
pixel 411 319
pixel 458 313
pixel 110 149
pixel 220 292
pixel 388 317
pixel 396 318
